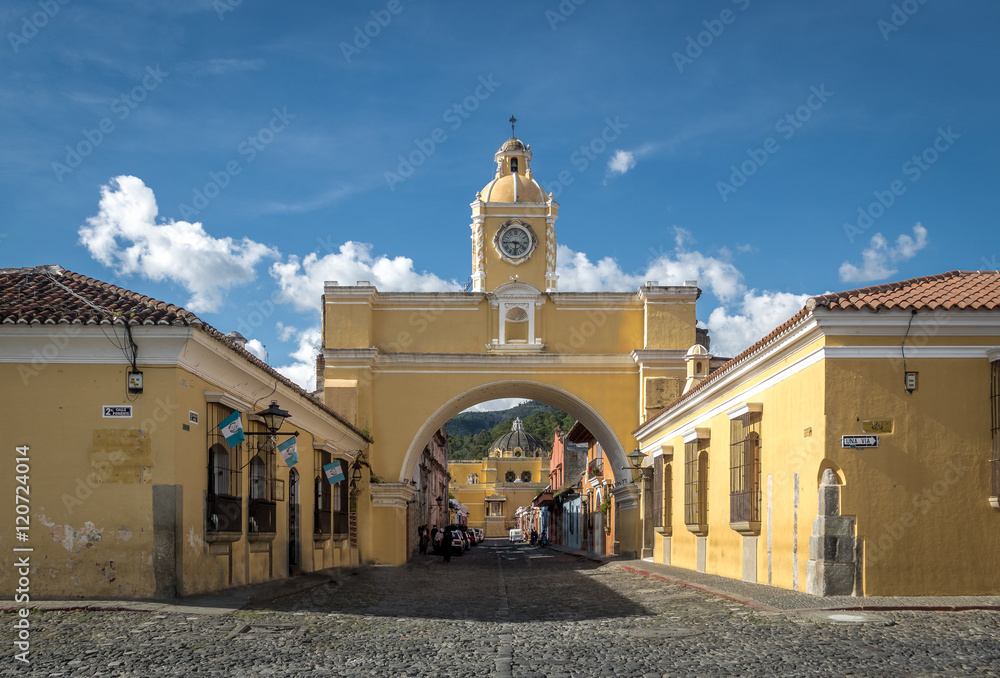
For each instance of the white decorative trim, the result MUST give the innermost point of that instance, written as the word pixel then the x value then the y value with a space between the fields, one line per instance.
pixel 993 354
pixel 227 400
pixel 697 433
pixel 745 408
pixel 939 323
pixel 893 352
pixel 665 451
pixel 392 495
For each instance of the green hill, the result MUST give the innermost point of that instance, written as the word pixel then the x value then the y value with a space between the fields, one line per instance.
pixel 470 433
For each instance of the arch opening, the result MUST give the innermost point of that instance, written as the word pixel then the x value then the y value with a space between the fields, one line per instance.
pixel 546 393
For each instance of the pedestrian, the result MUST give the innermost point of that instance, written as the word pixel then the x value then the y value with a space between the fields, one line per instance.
pixel 422 537
pixel 446 544
pixel 434 537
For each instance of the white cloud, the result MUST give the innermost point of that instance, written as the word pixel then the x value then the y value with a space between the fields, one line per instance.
pixel 499 404
pixel 757 315
pixel 877 261
pixel 683 237
pixel 301 281
pixel 578 274
pixel 303 370
pixel 257 348
pixel 125 236
pixel 621 162
pixel 732 329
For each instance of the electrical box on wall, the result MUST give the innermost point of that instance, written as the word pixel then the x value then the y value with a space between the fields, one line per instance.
pixel 911 382
pixel 135 382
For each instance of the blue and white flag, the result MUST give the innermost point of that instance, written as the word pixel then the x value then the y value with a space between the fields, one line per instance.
pixel 333 472
pixel 289 452
pixel 232 429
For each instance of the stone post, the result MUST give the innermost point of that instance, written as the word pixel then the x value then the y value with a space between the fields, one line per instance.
pixel 831 568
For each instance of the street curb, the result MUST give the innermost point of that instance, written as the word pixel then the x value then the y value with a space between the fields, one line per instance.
pixel 704 589
pixel 845 608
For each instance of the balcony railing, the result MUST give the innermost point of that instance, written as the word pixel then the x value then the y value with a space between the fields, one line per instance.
pixel 322 521
pixel 262 516
pixel 225 514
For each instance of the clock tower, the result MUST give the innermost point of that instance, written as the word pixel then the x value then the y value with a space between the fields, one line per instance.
pixel 513 226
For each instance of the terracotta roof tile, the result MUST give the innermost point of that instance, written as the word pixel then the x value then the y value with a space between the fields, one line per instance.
pixel 955 289
pixel 975 290
pixel 51 295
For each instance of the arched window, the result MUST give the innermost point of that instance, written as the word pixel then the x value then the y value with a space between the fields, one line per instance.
pixel 218 471
pixel 258 476
pixel 513 165
pixel 516 326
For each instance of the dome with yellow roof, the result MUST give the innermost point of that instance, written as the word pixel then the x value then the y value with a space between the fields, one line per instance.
pixel 513 181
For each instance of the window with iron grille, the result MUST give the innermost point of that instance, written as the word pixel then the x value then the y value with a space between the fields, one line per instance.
pixel 265 488
pixel 322 507
pixel 668 495
pixel 224 503
pixel 696 484
pixel 340 507
pixel 995 407
pixel 744 470
pixel 658 492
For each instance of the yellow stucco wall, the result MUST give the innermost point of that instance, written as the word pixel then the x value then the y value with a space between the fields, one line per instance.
pixel 95 483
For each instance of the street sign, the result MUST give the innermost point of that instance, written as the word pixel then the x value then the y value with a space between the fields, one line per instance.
pixel 116 411
pixel 859 441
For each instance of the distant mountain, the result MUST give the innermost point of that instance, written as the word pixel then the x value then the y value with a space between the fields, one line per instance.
pixel 470 423
pixel 470 433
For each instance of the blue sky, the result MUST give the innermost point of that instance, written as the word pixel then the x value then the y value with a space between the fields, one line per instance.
pixel 229 156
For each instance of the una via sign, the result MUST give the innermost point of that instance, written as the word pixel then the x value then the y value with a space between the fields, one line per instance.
pixel 859 441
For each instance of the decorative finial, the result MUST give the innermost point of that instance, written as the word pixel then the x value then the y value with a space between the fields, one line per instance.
pixel 512 121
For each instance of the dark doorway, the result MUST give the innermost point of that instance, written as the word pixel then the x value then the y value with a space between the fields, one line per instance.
pixel 293 521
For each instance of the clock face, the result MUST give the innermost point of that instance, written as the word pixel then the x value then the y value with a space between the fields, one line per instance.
pixel 515 242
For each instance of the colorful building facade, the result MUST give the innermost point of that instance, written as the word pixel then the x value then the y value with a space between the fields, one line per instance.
pixel 114 403
pixel 852 450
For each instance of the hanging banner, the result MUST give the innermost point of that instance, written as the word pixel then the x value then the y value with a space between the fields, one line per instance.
pixel 333 472
pixel 289 452
pixel 232 429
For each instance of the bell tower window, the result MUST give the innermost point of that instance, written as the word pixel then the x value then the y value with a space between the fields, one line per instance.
pixel 513 165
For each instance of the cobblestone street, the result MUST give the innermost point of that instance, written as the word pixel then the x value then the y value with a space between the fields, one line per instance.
pixel 505 610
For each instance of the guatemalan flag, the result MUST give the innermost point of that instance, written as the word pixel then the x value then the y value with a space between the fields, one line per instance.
pixel 333 472
pixel 232 429
pixel 289 452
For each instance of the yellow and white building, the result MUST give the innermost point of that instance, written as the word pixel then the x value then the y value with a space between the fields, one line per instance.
pixel 514 471
pixel 855 449
pixel 112 403
pixel 401 364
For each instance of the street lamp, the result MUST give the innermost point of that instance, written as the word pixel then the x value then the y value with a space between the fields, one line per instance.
pixel 273 418
pixel 635 462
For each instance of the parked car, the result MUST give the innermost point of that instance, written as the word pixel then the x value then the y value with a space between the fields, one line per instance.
pixel 473 537
pixel 516 536
pixel 459 540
